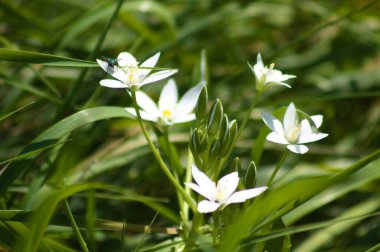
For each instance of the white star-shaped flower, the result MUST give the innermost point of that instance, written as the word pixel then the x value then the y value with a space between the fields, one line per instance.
pixel 130 74
pixel 291 132
pixel 267 77
pixel 220 194
pixel 169 110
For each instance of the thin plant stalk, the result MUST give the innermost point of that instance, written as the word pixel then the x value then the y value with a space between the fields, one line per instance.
pixel 278 166
pixel 161 162
pixel 176 171
pixel 75 227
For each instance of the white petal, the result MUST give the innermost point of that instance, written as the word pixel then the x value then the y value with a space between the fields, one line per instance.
pixel 290 117
pixel 204 182
pixel 259 62
pixel 145 116
pixel 168 97
pixel 125 59
pixel 115 71
pixel 149 63
pixel 317 119
pixel 227 185
pixel 147 104
pixel 297 148
pixel 242 196
pixel 113 84
pixel 276 138
pixel 206 206
pixel 283 84
pixel 158 76
pixel 311 137
pixel 189 100
pixel 270 121
pixel 184 118
pixel 200 190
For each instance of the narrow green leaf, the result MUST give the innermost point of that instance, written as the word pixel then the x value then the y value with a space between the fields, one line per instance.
pixel 55 132
pixel 42 58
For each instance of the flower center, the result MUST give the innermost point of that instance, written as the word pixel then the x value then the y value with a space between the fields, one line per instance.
pixel 166 113
pixel 132 75
pixel 293 133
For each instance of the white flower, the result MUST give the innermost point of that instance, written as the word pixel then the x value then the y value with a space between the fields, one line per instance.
pixel 221 194
pixel 169 111
pixel 267 77
pixel 129 74
pixel 291 132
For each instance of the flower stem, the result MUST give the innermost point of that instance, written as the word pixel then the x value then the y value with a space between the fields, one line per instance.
pixel 75 227
pixel 278 166
pixel 176 172
pixel 161 162
pixel 246 118
pixel 215 216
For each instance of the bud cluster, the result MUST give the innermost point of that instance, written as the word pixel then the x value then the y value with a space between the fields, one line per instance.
pixel 214 135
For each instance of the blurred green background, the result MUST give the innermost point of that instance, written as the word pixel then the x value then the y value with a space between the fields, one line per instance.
pixel 333 47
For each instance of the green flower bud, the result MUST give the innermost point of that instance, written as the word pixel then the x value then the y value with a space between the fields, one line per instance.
pixel 195 142
pixel 250 176
pixel 201 108
pixel 214 151
pixel 204 143
pixel 237 165
pixel 215 118
pixel 232 134
pixel 224 136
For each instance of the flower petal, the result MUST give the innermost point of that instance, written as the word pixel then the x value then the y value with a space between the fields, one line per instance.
pixel 269 120
pixel 125 59
pixel 145 116
pixel 113 84
pixel 242 196
pixel 317 119
pixel 276 138
pixel 149 63
pixel 184 118
pixel 311 137
pixel 158 76
pixel 298 148
pixel 206 206
pixel 115 71
pixel 200 190
pixel 147 104
pixel 290 117
pixel 168 97
pixel 207 186
pixel 227 185
pixel 259 62
pixel 189 100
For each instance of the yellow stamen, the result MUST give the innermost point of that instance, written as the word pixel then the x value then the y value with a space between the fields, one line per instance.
pixel 166 113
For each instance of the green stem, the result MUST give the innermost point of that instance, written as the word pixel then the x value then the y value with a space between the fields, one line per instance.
pixel 176 170
pixel 278 166
pixel 75 227
pixel 161 162
pixel 216 225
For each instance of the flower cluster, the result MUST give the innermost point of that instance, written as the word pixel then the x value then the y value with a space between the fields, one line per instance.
pixel 213 138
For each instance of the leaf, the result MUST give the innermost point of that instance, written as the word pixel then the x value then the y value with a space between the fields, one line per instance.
pixel 42 58
pixel 277 197
pixel 53 134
